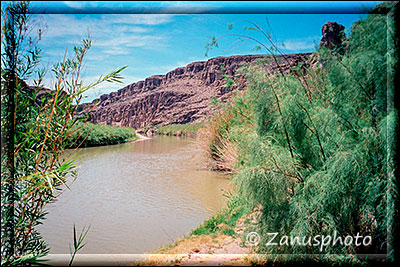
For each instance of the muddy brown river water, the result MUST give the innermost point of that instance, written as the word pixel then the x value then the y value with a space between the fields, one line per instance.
pixel 136 197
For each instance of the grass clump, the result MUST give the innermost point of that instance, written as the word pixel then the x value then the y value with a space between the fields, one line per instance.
pixel 224 131
pixel 225 220
pixel 88 134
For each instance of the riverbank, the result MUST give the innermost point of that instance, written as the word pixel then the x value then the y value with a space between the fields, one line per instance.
pixel 215 249
pixel 90 135
pixel 219 241
pixel 188 129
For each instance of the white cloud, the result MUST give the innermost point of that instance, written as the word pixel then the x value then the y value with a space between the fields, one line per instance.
pixel 61 25
pixel 133 29
pixel 82 5
pixel 186 6
pixel 95 58
pixel 300 44
pixel 124 44
pixel 116 51
pixel 113 32
pixel 137 19
pixel 74 4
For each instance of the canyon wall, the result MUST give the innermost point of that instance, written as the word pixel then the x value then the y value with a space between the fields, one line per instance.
pixel 182 95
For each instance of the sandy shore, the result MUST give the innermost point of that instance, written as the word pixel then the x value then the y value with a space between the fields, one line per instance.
pixel 140 138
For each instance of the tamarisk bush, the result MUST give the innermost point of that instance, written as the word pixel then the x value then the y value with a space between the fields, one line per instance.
pixel 316 149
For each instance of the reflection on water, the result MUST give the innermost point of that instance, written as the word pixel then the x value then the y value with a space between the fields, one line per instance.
pixel 136 197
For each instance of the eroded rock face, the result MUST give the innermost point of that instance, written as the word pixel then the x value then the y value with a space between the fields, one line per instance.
pixel 332 35
pixel 182 95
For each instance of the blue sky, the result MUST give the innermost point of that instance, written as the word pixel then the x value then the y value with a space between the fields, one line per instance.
pixel 157 43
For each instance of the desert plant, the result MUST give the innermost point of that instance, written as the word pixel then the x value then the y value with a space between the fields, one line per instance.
pixel 320 156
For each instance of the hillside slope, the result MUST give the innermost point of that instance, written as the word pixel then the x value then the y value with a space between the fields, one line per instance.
pixel 182 95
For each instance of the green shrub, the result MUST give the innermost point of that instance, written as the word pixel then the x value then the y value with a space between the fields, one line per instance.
pixel 316 147
pixel 188 129
pixel 225 220
pixel 89 134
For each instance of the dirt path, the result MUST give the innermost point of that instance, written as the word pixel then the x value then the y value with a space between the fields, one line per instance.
pixel 206 250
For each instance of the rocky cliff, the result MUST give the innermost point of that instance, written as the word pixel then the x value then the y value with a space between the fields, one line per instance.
pixel 180 96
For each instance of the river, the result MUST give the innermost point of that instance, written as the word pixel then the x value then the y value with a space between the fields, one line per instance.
pixel 136 197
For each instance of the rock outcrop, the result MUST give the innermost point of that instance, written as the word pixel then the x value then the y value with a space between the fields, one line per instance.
pixel 182 95
pixel 333 35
